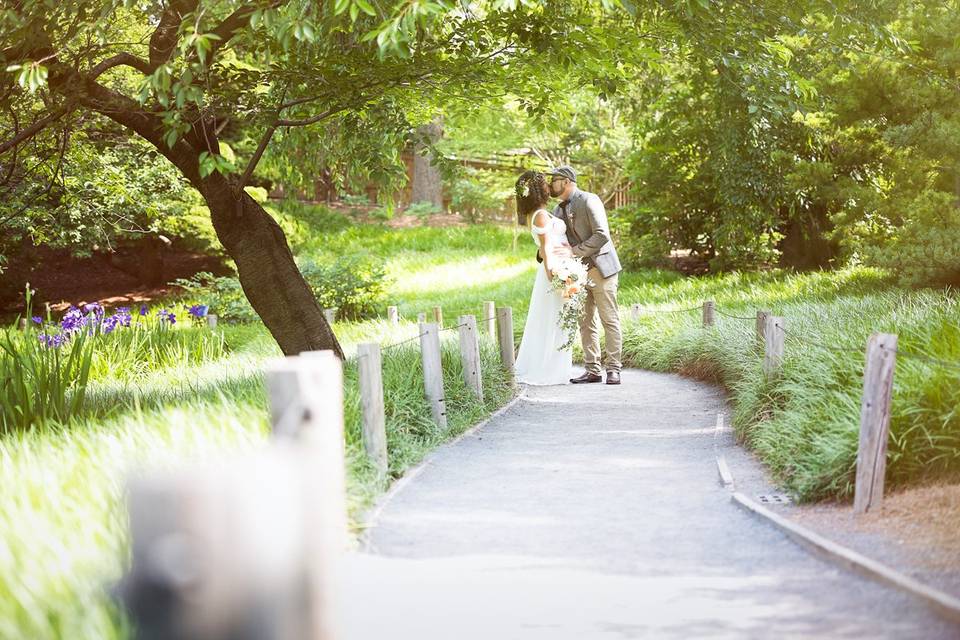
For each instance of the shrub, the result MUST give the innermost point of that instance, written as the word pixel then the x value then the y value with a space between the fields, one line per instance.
pixel 222 293
pixel 479 195
pixel 353 285
pixel 422 209
pixel 926 249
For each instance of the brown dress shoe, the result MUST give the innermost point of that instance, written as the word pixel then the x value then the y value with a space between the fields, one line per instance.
pixel 586 378
pixel 613 377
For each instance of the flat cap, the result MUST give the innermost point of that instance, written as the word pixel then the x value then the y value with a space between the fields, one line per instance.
pixel 565 171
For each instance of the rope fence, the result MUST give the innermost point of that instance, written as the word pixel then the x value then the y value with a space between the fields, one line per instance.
pixel 880 363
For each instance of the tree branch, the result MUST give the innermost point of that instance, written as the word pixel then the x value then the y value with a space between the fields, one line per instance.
pixel 36 127
pixel 164 38
pixel 307 121
pixel 235 22
pixel 124 58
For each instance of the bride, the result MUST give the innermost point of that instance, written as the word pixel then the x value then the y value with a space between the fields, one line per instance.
pixel 541 360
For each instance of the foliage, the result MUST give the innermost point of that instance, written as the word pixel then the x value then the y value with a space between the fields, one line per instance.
pixel 479 194
pixel 804 425
pixel 353 285
pixel 422 209
pixel 40 384
pixel 926 248
pixel 62 514
pixel 45 370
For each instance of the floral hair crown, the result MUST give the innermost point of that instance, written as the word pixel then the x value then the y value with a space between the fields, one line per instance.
pixel 523 187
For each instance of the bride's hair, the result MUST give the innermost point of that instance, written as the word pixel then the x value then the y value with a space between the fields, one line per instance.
pixel 532 194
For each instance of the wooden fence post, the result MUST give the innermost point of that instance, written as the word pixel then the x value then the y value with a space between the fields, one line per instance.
pixel 762 325
pixel 635 311
pixel 875 421
pixel 370 365
pixel 330 315
pixel 438 316
pixel 489 318
pixel 505 332
pixel 306 406
pixel 421 318
pixel 393 315
pixel 212 320
pixel 774 333
pixel 709 313
pixel 433 372
pixel 470 354
pixel 237 549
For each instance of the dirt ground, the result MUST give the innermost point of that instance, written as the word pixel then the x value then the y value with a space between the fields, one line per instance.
pixel 65 280
pixel 916 531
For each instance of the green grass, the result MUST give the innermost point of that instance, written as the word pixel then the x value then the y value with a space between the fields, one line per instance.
pixel 804 424
pixel 62 520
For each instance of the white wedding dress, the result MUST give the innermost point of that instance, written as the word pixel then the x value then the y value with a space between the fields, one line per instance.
pixel 540 360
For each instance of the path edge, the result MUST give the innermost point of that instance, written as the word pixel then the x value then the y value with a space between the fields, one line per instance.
pixel 373 514
pixel 943 603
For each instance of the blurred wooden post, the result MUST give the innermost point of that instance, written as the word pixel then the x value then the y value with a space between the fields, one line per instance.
pixel 875 421
pixel 212 320
pixel 635 311
pixel 774 334
pixel 762 325
pixel 371 404
pixel 433 372
pixel 330 315
pixel 505 333
pixel 24 324
pixel 438 316
pixel 306 406
pixel 421 318
pixel 709 313
pixel 233 549
pixel 489 318
pixel 393 315
pixel 470 354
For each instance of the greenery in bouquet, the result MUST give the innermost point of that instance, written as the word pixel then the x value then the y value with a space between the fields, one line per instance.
pixel 570 280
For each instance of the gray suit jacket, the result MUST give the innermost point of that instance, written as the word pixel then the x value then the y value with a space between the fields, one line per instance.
pixel 589 232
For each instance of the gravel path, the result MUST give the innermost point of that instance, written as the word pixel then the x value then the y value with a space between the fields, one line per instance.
pixel 595 512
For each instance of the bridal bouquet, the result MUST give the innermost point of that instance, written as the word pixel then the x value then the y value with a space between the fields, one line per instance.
pixel 570 279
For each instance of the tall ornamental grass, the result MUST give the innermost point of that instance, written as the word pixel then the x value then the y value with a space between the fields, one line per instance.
pixel 45 371
pixel 62 516
pixel 804 424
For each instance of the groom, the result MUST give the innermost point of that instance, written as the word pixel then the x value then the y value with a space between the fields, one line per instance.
pixel 589 236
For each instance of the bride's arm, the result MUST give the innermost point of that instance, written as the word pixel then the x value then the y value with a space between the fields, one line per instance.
pixel 541 225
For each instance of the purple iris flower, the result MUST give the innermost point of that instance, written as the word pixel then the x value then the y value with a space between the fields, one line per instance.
pixel 198 311
pixel 123 316
pixel 54 341
pixel 94 308
pixel 109 324
pixel 37 320
pixel 73 320
pixel 143 309
pixel 167 316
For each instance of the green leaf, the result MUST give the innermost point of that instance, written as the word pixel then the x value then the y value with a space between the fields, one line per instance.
pixel 366 7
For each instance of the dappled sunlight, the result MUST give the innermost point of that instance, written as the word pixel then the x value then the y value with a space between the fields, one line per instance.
pixel 471 274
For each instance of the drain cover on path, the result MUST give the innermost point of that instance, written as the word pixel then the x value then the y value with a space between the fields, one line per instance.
pixel 774 498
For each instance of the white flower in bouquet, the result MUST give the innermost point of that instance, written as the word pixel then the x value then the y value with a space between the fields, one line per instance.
pixel 570 280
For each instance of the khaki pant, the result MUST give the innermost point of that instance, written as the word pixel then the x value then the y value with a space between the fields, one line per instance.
pixel 602 300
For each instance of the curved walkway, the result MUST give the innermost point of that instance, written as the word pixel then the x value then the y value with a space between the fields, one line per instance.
pixel 596 512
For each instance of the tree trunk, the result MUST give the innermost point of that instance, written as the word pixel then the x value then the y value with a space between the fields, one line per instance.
pixel 427 184
pixel 268 274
